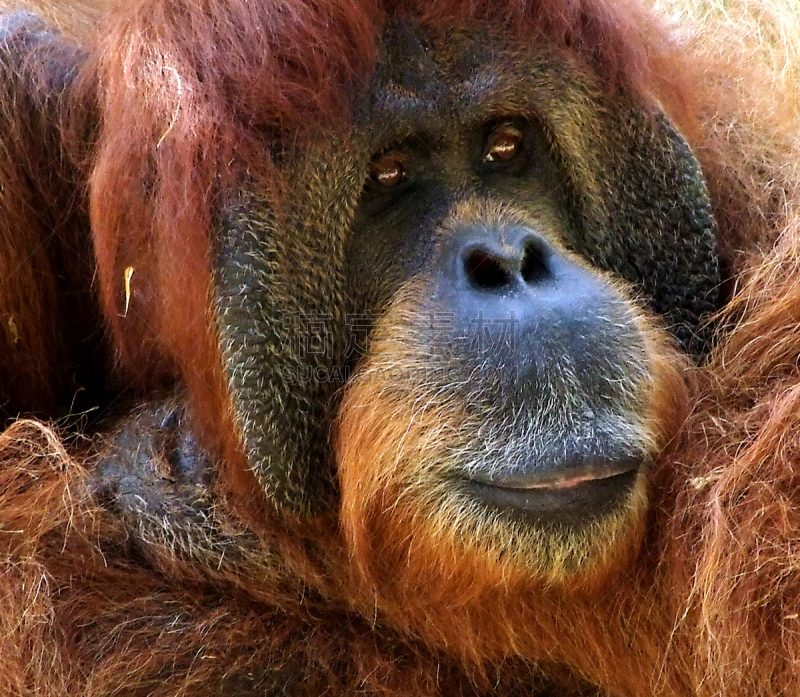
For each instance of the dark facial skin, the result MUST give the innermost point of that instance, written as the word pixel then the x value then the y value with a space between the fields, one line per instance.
pixel 439 133
pixel 465 196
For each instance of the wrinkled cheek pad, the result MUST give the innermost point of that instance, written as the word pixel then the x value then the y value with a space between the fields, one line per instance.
pixel 649 221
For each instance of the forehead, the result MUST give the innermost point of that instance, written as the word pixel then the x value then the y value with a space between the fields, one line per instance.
pixel 421 59
pixel 427 77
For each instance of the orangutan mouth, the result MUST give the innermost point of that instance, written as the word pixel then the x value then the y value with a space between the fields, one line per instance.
pixel 567 498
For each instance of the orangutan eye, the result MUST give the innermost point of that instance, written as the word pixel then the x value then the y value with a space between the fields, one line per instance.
pixel 388 170
pixel 504 142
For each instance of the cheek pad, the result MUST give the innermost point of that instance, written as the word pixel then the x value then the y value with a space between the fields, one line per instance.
pixel 651 223
pixel 279 305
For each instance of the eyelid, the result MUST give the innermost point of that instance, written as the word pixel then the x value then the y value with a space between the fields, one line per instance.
pixel 517 159
pixel 388 158
pixel 509 125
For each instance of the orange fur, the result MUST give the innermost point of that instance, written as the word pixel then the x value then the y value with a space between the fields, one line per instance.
pixel 701 597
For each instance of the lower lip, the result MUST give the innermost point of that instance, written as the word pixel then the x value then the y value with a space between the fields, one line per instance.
pixel 572 502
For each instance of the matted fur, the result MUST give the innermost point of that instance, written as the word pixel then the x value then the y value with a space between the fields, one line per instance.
pixel 709 605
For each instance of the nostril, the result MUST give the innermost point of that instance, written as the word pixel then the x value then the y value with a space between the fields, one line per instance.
pixel 533 268
pixel 486 271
